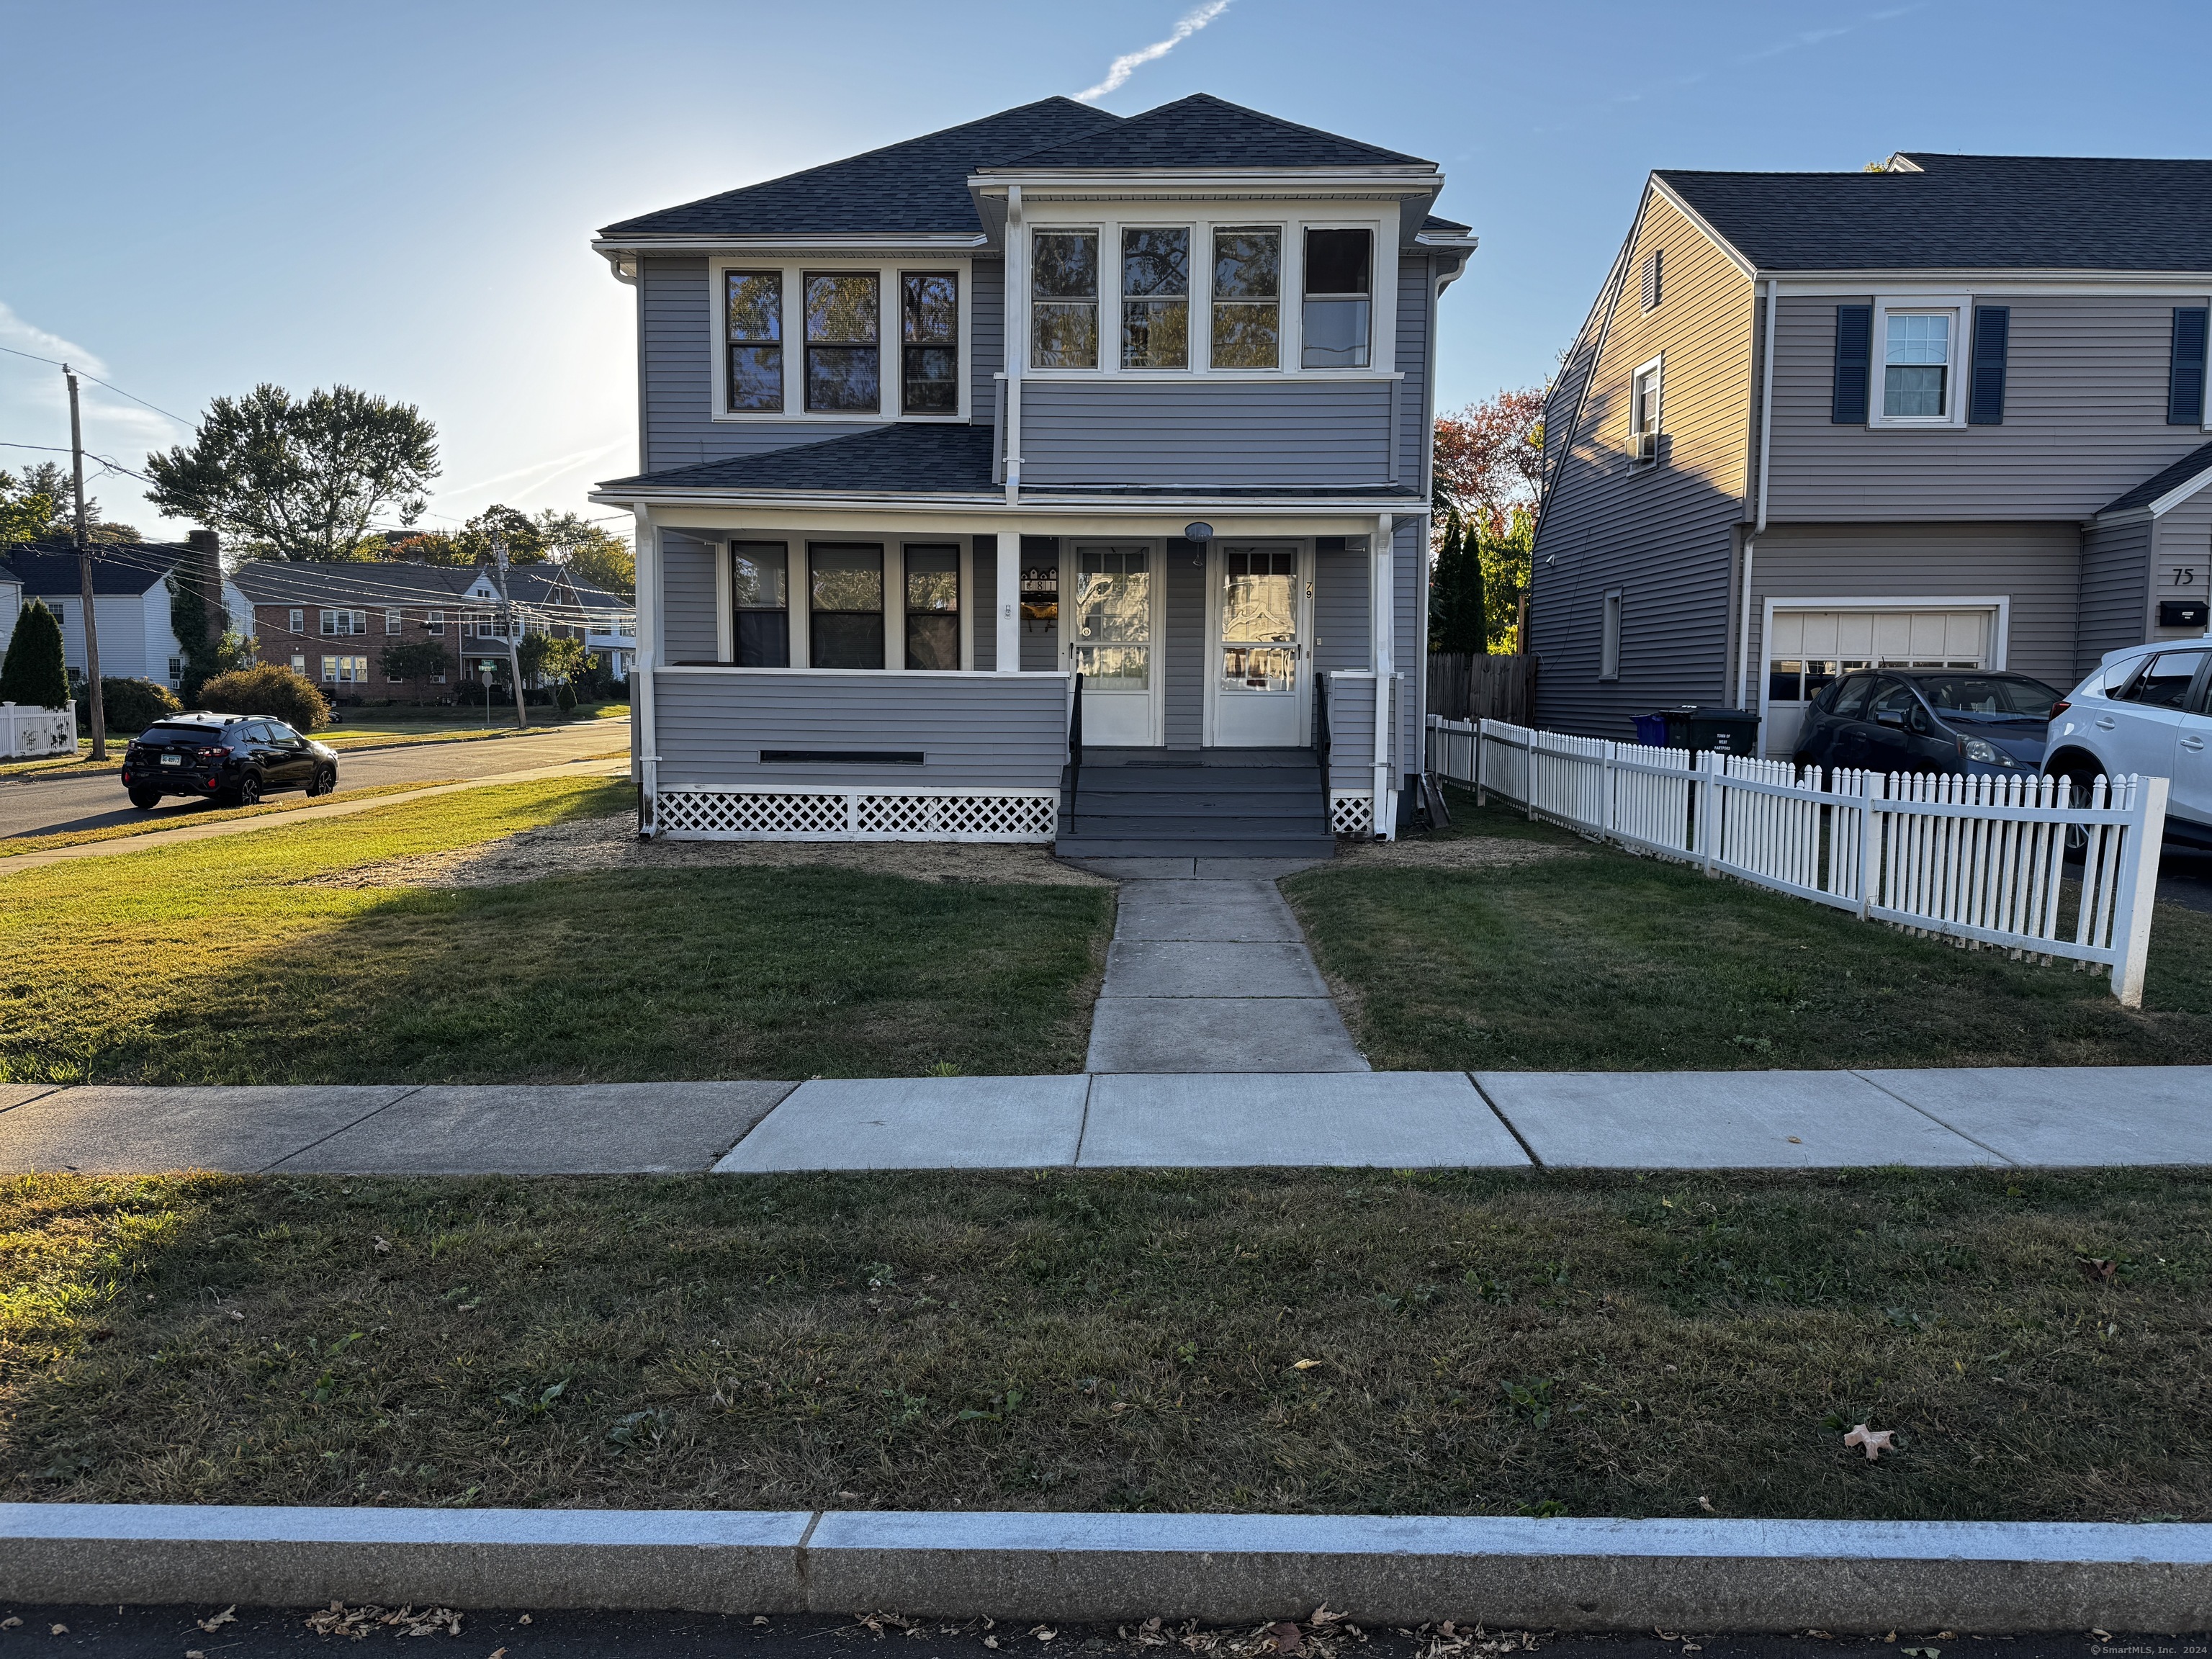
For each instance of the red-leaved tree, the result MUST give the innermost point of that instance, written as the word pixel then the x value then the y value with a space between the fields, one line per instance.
pixel 1490 458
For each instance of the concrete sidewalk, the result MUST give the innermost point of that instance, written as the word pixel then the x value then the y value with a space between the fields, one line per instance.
pixel 2012 1117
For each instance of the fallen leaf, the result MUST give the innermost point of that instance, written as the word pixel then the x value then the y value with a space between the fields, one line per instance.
pixel 234 1314
pixel 1321 1616
pixel 1287 1640
pixel 194 1653
pixel 10 1622
pixel 2096 1267
pixel 228 1616
pixel 1876 1442
pixel 990 1641
pixel 1304 1365
pixel 526 1619
pixel 383 1245
pixel 58 1630
pixel 758 1618
pixel 1043 1632
pixel 499 1653
pixel 2102 1635
pixel 1706 1505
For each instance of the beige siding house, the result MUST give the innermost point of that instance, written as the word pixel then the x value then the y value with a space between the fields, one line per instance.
pixel 1951 412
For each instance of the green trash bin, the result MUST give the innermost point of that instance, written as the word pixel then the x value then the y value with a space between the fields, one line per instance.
pixel 1697 727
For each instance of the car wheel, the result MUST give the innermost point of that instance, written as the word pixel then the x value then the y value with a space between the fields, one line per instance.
pixel 145 799
pixel 248 792
pixel 324 780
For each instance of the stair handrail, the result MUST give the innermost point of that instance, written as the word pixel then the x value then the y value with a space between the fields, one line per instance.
pixel 1321 735
pixel 1074 744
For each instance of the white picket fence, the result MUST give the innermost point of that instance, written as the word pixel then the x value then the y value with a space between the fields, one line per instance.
pixel 1976 858
pixel 27 730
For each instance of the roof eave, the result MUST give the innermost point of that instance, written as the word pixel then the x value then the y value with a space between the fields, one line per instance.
pixel 994 180
pixel 993 500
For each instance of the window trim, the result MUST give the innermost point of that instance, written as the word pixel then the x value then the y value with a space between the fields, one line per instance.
pixel 1960 307
pixel 1290 341
pixel 1191 299
pixel 1108 282
pixel 889 334
pixel 1656 368
pixel 1305 230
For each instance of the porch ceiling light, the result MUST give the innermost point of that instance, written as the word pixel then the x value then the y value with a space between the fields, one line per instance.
pixel 1199 531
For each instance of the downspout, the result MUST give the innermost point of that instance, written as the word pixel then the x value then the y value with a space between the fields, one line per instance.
pixel 1018 277
pixel 642 666
pixel 1758 527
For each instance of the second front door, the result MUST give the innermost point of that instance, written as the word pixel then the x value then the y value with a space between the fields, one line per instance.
pixel 1258 616
pixel 1113 639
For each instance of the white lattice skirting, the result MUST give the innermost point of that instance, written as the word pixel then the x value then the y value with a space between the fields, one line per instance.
pixel 856 815
pixel 1351 812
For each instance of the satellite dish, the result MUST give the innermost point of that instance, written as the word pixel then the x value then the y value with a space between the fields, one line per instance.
pixel 1198 532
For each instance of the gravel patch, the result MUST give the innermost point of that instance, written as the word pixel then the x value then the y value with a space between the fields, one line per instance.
pixel 591 846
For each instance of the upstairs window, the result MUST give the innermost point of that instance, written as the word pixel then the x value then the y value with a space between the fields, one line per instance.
pixel 844 331
pixel 1248 303
pixel 392 621
pixel 1339 275
pixel 760 588
pixel 344 621
pixel 1643 408
pixel 1156 298
pixel 1915 365
pixel 1064 298
pixel 434 622
pixel 755 306
pixel 929 342
pixel 299 622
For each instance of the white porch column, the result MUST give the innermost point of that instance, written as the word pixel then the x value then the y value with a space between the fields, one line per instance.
pixel 643 661
pixel 1382 621
pixel 1010 602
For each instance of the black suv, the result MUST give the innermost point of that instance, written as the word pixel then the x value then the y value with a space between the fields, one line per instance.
pixel 233 759
pixel 1928 720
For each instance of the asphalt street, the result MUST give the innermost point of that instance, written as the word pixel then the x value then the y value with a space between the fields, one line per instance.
pixel 264 1633
pixel 46 806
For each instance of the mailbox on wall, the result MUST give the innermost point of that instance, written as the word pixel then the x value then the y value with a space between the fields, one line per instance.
pixel 2183 613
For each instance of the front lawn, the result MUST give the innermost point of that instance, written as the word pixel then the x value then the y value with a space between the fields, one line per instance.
pixel 237 961
pixel 1540 1343
pixel 1597 960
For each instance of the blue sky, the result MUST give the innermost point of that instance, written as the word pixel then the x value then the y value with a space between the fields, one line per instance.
pixel 399 197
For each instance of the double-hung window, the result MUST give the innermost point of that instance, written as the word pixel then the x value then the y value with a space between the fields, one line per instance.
pixel 299 622
pixel 1248 297
pixel 1643 413
pixel 434 622
pixel 929 342
pixel 345 622
pixel 754 304
pixel 1156 298
pixel 1338 282
pixel 844 330
pixel 846 600
pixel 932 606
pixel 1917 350
pixel 392 621
pixel 1064 298
pixel 759 587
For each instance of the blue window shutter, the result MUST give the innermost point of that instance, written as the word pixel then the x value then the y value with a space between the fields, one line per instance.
pixel 2185 385
pixel 1992 334
pixel 1854 362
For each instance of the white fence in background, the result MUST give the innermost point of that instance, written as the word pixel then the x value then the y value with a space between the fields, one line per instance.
pixel 27 730
pixel 1977 858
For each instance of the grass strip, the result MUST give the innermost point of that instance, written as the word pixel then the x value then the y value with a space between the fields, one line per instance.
pixel 230 960
pixel 150 826
pixel 1315 1341
pixel 1604 961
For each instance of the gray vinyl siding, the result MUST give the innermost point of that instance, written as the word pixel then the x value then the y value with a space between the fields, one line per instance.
pixel 1201 432
pixel 2115 591
pixel 2084 419
pixel 1416 326
pixel 1410 646
pixel 1351 733
pixel 983 610
pixel 1186 664
pixel 1000 733
pixel 987 332
pixel 1341 612
pixel 689 630
pixel 1664 535
pixel 2035 565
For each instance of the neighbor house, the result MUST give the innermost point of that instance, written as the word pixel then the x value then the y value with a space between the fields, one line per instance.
pixel 134 590
pixel 1948 412
pixel 1053 437
pixel 333 621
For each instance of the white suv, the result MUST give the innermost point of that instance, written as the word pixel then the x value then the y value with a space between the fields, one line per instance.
pixel 2145 710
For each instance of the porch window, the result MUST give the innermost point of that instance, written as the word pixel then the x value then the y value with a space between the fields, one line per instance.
pixel 845 623
pixel 844 328
pixel 759 587
pixel 929 344
pixel 1156 298
pixel 755 321
pixel 932 607
pixel 1064 298
pixel 1248 304
pixel 1337 280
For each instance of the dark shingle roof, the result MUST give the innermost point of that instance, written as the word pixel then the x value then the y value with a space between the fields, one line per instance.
pixel 2033 212
pixel 1449 227
pixel 50 566
pixel 919 185
pixel 2195 463
pixel 907 460
pixel 1202 130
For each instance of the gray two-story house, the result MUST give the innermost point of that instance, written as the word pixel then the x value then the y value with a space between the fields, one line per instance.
pixel 1053 476
pixel 1951 412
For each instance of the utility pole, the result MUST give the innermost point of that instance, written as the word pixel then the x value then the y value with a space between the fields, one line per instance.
pixel 508 625
pixel 96 709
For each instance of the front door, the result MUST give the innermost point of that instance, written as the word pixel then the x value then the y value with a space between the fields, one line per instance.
pixel 1258 612
pixel 1113 634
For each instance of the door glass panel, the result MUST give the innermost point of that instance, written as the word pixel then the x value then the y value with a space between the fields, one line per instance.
pixel 1113 618
pixel 932 607
pixel 1259 618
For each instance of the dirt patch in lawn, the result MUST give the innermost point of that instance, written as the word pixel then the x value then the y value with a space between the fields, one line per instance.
pixel 1424 852
pixel 594 846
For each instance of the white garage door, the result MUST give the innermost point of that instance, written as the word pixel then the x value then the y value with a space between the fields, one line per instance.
pixel 1808 649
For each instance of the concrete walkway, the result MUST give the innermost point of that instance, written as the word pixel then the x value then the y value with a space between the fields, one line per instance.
pixel 2018 1117
pixel 1209 972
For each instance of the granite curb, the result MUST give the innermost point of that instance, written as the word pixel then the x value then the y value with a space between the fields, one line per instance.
pixel 1566 1573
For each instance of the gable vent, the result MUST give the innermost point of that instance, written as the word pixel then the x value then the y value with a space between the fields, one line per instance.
pixel 2185 385
pixel 1654 278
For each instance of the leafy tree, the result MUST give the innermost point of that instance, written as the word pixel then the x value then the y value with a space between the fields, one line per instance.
pixel 429 547
pixel 299 478
pixel 495 524
pixel 1458 620
pixel 595 556
pixel 1490 456
pixel 132 705
pixel 41 505
pixel 546 657
pixel 418 661
pixel 1503 551
pixel 33 674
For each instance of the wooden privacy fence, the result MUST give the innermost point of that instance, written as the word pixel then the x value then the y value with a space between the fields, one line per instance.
pixel 1466 687
pixel 1975 859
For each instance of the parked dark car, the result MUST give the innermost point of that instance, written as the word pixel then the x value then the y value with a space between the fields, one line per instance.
pixel 1928 720
pixel 233 759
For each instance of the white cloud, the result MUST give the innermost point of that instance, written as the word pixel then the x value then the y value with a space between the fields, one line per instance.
pixel 560 464
pixel 27 336
pixel 1130 63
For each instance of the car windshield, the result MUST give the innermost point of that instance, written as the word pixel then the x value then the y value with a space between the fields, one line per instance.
pixel 1989 693
pixel 181 734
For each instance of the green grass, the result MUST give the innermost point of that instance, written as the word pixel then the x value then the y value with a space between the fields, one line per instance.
pixel 226 961
pixel 1485 1343
pixel 15 845
pixel 1609 962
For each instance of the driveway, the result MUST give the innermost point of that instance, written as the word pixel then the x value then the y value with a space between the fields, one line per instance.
pixel 36 807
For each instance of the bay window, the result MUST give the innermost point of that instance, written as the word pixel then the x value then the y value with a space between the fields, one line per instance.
pixel 932 606
pixel 1156 298
pixel 760 589
pixel 1338 278
pixel 1064 298
pixel 929 342
pixel 844 330
pixel 1248 323
pixel 754 305
pixel 845 605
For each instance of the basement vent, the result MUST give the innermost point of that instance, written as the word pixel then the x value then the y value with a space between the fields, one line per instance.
pixel 842 758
